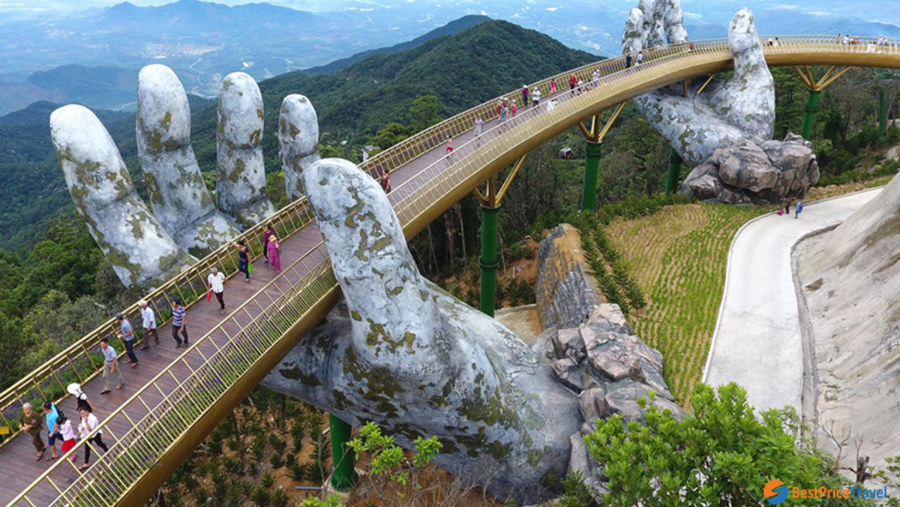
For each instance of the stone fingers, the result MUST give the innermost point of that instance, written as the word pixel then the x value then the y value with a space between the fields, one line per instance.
pixel 241 182
pixel 178 195
pixel 138 247
pixel 747 100
pixel 673 21
pixel 633 38
pixel 298 140
pixel 392 315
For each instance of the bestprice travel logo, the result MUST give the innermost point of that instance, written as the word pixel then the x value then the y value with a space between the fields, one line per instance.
pixel 779 492
pixel 777 489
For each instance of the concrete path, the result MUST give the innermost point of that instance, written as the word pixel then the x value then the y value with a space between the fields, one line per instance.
pixel 757 342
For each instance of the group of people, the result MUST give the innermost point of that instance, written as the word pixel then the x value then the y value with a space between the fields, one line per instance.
pixel 632 59
pixel 798 208
pixel 60 427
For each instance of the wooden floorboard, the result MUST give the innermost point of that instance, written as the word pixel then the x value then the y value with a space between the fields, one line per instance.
pixel 17 459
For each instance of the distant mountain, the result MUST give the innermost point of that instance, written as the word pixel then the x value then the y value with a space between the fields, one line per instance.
pixel 102 87
pixel 451 28
pixel 352 103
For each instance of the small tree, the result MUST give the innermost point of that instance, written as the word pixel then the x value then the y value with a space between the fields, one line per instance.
pixel 424 112
pixel 721 455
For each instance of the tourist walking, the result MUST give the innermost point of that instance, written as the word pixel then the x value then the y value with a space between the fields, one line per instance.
pixel 513 109
pixel 479 125
pixel 552 86
pixel 627 60
pixel 66 432
pixel 640 58
pixel 787 207
pixel 573 83
pixel 179 323
pixel 267 233
pixel 275 253
pixel 535 97
pixel 798 209
pixel 385 182
pixel 215 282
pixel 51 415
pixel 148 322
pixel 449 150
pixel 126 334
pixel 88 424
pixel 524 95
pixel 30 421
pixel 110 361
pixel 243 258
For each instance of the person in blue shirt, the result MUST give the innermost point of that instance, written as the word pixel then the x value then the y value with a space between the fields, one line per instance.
pixel 798 209
pixel 126 333
pixel 52 434
pixel 110 360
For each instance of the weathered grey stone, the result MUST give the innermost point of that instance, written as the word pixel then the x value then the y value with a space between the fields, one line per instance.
pixel 241 177
pixel 543 343
pixel 140 250
pixel 178 195
pixel 592 404
pixel 298 140
pixel 418 361
pixel 569 373
pixel 749 173
pixel 741 108
pixel 565 296
pixel 609 317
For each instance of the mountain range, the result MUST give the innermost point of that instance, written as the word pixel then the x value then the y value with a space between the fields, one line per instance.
pixel 352 103
pixel 203 41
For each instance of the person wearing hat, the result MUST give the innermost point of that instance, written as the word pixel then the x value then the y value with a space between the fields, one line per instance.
pixel 126 334
pixel 275 253
pixel 148 322
pixel 179 323
pixel 524 95
pixel 216 283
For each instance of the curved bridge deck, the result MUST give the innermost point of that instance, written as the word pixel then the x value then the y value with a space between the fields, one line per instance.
pixel 174 398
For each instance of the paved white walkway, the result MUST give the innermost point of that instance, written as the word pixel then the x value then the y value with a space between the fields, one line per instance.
pixel 757 341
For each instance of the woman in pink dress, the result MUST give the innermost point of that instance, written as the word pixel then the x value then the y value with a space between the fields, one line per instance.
pixel 274 254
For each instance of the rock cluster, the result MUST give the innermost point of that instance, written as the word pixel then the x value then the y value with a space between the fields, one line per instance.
pixel 609 368
pixel 747 172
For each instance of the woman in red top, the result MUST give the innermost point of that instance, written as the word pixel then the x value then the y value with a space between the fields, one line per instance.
pixel 573 82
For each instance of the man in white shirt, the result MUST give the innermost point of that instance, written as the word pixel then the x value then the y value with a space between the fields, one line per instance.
pixel 89 423
pixel 216 283
pixel 148 322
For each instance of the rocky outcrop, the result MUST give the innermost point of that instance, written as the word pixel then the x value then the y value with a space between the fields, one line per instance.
pixel 850 280
pixel 241 177
pixel 178 196
pixel 747 173
pixel 140 250
pixel 298 140
pixel 565 296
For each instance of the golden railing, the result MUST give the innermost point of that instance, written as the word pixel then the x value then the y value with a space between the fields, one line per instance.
pixel 167 418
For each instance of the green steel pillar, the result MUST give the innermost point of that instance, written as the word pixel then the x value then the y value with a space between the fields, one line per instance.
pixel 882 112
pixel 674 172
pixel 591 168
pixel 809 116
pixel 344 476
pixel 488 259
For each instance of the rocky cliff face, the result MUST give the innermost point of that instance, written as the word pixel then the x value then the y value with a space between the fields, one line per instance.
pixel 850 279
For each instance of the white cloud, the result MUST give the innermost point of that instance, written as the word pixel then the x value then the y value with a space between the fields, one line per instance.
pixel 818 13
pixel 552 9
pixel 781 7
pixel 692 15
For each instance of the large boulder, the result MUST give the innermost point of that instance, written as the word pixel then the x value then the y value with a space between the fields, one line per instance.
pixel 747 172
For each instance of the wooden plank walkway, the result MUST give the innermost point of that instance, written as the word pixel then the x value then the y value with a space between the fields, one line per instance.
pixel 17 459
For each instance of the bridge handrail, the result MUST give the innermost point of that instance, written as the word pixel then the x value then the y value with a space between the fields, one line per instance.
pixel 415 204
pixel 150 435
pixel 82 360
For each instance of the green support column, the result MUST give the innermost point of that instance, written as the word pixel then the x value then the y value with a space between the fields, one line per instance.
pixel 344 476
pixel 809 116
pixel 591 168
pixel 674 172
pixel 882 112
pixel 488 259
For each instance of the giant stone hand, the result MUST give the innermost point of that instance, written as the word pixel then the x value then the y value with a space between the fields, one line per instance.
pixel 743 107
pixel 147 248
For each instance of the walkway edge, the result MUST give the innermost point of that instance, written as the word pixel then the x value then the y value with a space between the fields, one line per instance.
pixel 729 265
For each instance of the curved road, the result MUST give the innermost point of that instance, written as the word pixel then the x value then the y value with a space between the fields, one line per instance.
pixel 757 341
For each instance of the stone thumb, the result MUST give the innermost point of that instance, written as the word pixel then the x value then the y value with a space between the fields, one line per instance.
pixel 392 314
